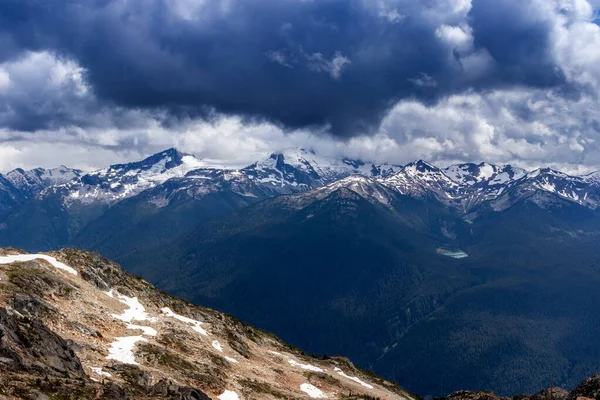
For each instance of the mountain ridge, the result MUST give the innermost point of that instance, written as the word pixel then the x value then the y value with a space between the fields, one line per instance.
pixel 76 326
pixel 463 186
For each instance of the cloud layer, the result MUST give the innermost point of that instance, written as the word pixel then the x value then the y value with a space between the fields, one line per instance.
pixel 394 80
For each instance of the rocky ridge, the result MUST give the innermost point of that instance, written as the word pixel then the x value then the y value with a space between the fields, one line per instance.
pixel 74 325
pixel 169 175
pixel 589 389
pixel 172 173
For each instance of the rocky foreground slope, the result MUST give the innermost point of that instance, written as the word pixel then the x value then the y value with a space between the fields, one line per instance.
pixel 74 325
pixel 586 390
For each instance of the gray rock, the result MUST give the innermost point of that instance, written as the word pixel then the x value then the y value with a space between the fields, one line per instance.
pixel 169 390
pixel 32 346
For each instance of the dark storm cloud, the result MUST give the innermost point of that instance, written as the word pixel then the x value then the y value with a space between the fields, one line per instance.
pixel 292 62
pixel 517 40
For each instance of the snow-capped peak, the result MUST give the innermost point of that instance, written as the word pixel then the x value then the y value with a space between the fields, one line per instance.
pixel 593 178
pixel 300 169
pixel 368 188
pixel 580 189
pixel 155 165
pixel 472 174
pixel 120 181
pixel 33 181
pixel 421 178
pixel 420 167
pixel 323 168
pixel 466 185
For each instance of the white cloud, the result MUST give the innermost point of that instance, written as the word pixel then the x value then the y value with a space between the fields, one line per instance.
pixel 4 80
pixel 278 57
pixel 318 63
pixel 457 37
pixel 389 12
pixel 519 126
pixel 522 126
pixel 423 80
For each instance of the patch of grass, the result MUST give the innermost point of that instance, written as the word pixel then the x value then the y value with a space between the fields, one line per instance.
pixel 259 387
pixel 38 281
pixel 211 377
pixel 321 377
pixel 169 339
pixel 159 356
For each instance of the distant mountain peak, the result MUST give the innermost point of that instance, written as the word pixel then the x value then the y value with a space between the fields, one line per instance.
pixel 166 159
pixel 33 181
pixel 121 181
pixel 593 177
pixel 420 166
pixel 359 185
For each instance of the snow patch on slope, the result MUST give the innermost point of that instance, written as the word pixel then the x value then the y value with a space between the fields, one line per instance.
pixel 353 378
pixel 217 345
pixel 304 366
pixel 148 331
pixel 30 257
pixel 135 312
pixel 195 325
pixel 228 395
pixel 98 371
pixel 312 391
pixel 122 349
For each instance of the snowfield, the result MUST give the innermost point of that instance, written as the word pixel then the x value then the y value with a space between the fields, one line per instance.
pixel 305 366
pixel 353 378
pixel 30 257
pixel 196 325
pixel 135 312
pixel 228 395
pixel 122 349
pixel 312 391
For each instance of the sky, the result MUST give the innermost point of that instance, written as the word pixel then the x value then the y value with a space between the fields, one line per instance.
pixel 88 83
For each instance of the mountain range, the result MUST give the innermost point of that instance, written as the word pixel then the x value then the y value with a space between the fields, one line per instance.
pixel 473 276
pixel 170 177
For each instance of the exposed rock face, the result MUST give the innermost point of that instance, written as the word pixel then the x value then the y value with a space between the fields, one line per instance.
pixel 169 390
pixel 547 394
pixel 590 388
pixel 29 345
pixel 77 326
pixel 468 395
